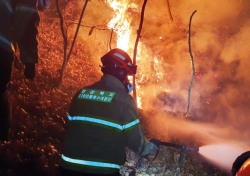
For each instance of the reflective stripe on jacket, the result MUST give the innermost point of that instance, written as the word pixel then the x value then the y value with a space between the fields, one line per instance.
pixel 6 15
pixel 105 122
pixel 102 121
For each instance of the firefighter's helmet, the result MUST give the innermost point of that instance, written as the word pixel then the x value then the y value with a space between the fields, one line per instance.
pixel 241 166
pixel 117 60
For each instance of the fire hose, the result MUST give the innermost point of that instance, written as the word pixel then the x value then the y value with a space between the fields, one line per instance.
pixel 182 148
pixel 158 143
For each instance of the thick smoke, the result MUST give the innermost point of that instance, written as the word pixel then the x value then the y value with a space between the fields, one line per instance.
pixel 220 41
pixel 220 95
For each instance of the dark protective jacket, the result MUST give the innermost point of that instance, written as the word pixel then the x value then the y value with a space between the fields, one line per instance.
pixel 102 121
pixel 6 19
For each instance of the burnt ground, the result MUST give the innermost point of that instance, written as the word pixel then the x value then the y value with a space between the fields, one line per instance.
pixel 40 107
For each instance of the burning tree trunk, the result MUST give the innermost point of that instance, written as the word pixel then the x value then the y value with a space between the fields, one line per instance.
pixel 136 45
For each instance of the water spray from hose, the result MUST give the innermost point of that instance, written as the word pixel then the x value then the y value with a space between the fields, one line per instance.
pixel 222 155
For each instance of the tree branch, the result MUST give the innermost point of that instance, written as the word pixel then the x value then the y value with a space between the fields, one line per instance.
pixel 136 45
pixel 110 39
pixel 192 62
pixel 77 29
pixel 169 12
pixel 65 41
pixel 67 57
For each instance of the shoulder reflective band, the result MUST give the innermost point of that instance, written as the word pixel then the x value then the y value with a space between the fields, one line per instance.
pixel 90 163
pixel 123 58
pixel 97 95
pixel 104 122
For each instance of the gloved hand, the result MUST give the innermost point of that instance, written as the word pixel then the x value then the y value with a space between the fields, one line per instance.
pixel 150 150
pixel 156 142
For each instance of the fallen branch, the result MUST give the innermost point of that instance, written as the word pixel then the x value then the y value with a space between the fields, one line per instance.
pixel 192 63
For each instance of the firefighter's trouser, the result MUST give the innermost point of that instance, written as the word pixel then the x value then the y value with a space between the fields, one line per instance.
pixel 26 23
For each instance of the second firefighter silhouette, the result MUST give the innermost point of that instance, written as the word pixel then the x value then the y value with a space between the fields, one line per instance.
pixel 103 121
pixel 6 58
pixel 26 21
pixel 16 13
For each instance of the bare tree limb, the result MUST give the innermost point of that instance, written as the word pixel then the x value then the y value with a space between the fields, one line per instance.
pixel 65 41
pixel 77 29
pixel 67 56
pixel 136 45
pixel 110 39
pixel 169 12
pixel 192 62
pixel 91 30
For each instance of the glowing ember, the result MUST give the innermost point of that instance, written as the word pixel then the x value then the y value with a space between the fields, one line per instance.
pixel 222 155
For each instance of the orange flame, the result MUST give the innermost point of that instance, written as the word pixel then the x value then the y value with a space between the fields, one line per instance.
pixel 121 24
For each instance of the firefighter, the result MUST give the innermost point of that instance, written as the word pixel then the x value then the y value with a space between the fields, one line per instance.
pixel 103 121
pixel 241 166
pixel 6 60
pixel 26 23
